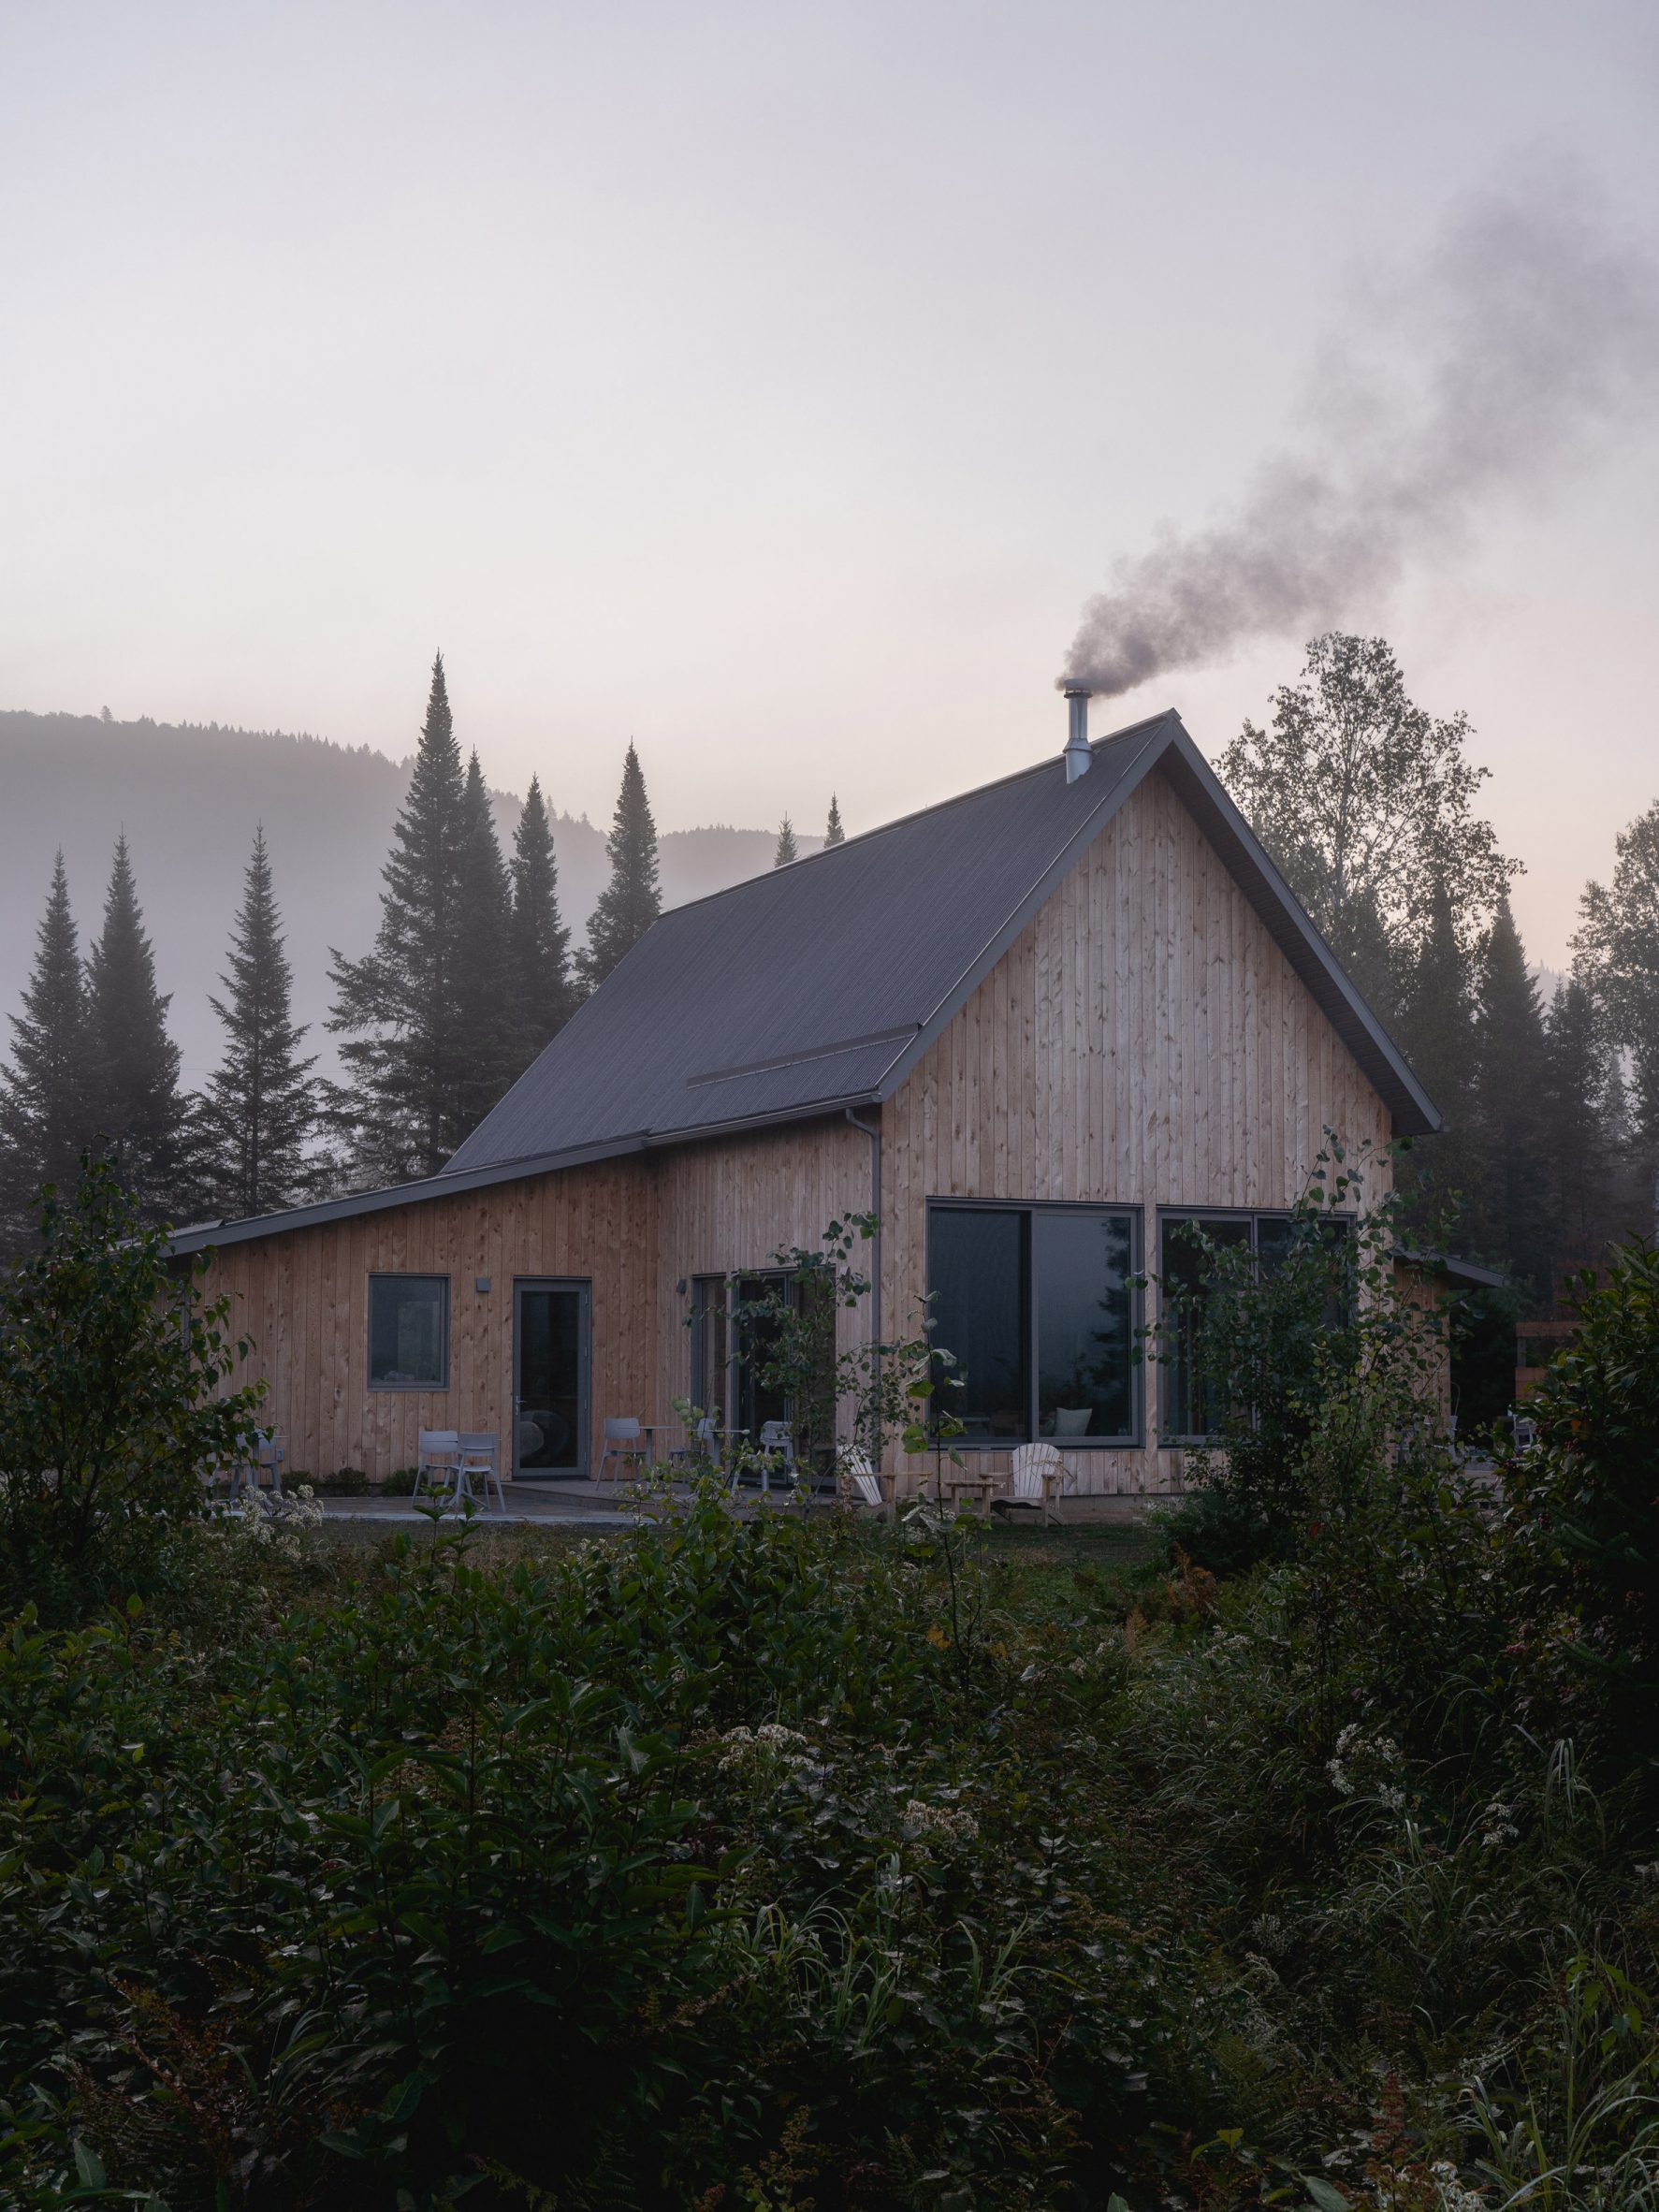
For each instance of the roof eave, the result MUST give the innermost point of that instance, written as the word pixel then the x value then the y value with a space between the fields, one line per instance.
pixel 209 1236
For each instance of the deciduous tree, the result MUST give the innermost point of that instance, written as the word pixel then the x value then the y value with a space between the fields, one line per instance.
pixel 1367 804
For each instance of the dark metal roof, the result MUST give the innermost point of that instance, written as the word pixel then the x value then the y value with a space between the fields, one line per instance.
pixel 823 982
pixel 819 985
pixel 1459 1270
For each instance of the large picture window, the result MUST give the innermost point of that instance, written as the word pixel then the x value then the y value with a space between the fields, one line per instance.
pixel 409 1333
pixel 1037 1305
pixel 1184 1264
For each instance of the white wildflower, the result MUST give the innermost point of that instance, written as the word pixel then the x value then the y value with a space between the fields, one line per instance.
pixel 1498 1827
pixel 770 1740
pixel 1454 2197
pixel 949 1824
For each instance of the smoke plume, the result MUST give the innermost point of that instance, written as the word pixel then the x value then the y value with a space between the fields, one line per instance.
pixel 1528 336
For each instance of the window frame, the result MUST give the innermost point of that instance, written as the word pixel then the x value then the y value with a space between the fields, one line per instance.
pixel 1191 1439
pixel 409 1275
pixel 730 1282
pixel 1134 1439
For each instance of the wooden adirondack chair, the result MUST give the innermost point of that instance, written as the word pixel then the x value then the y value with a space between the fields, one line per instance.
pixel 1037 1478
pixel 860 1487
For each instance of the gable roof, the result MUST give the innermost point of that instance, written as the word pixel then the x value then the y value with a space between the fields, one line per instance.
pixel 819 985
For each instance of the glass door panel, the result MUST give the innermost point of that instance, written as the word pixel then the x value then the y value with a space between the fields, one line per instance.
pixel 550 1378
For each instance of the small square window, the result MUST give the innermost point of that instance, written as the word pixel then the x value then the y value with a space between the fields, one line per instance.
pixel 409 1333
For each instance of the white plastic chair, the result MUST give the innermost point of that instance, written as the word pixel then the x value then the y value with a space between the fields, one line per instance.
pixel 267 1453
pixel 859 1488
pixel 775 1440
pixel 476 1456
pixel 703 1442
pixel 1037 1476
pixel 624 1445
pixel 436 1455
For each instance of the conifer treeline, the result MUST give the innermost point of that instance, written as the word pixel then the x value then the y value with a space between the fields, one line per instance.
pixel 1552 1138
pixel 1368 806
pixel 471 973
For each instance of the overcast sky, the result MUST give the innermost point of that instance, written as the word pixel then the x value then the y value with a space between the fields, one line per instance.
pixel 767 382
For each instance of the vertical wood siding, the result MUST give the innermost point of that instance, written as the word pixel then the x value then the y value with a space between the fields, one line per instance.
pixel 734 1203
pixel 303 1299
pixel 1144 1043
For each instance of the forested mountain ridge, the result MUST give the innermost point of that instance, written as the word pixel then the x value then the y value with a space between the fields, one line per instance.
pixel 189 796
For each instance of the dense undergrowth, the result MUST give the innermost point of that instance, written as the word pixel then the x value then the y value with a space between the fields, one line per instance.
pixel 770 1865
pixel 789 1865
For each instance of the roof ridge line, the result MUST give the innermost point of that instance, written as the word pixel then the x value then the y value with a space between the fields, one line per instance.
pixel 916 813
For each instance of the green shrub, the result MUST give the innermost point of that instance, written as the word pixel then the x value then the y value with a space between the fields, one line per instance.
pixel 1217 1526
pixel 782 1861
pixel 1588 1493
pixel 345 1482
pixel 1266 1338
pixel 112 1408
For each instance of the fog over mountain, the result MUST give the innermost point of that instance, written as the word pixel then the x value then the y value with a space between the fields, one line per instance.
pixel 189 797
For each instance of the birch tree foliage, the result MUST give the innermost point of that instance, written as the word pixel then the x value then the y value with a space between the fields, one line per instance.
pixel 1367 802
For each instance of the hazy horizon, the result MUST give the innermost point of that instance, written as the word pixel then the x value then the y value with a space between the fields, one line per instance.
pixel 774 386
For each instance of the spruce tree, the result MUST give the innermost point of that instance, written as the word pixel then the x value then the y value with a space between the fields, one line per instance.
pixel 1617 948
pixel 1434 1026
pixel 786 851
pixel 484 925
pixel 544 989
pixel 134 1063
pixel 45 1107
pixel 834 834
pixel 259 1112
pixel 399 1009
pixel 1510 1077
pixel 1583 1111
pixel 632 900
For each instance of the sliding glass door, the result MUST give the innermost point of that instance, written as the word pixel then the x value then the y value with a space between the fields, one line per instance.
pixel 550 1354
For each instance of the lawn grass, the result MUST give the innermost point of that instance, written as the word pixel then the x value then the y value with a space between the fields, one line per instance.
pixel 1046 1568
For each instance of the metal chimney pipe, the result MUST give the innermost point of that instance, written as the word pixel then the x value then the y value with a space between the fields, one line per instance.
pixel 1079 759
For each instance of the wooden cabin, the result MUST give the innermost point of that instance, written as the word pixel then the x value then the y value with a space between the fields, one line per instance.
pixel 1030 1029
